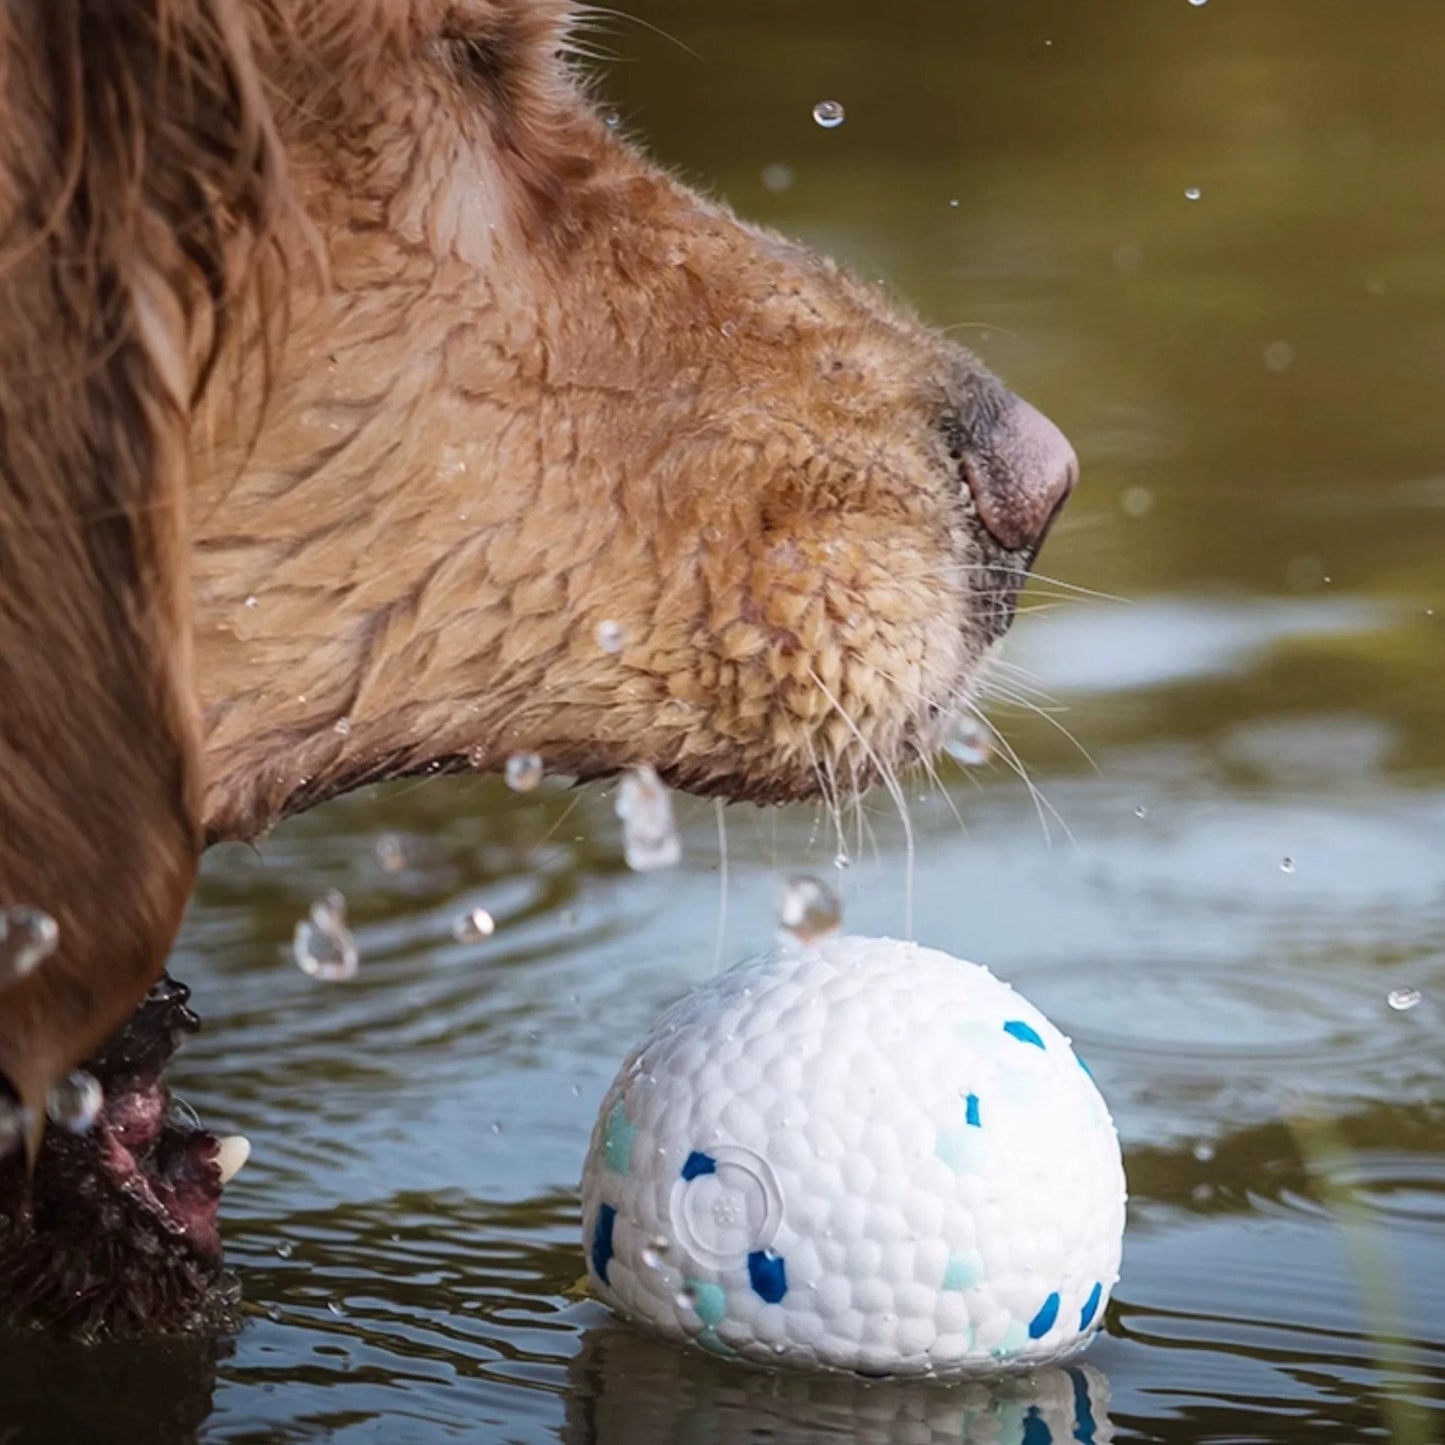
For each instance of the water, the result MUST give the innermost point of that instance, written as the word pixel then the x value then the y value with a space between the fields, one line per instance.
pixel 1285 1287
pixel 808 909
pixel 74 1102
pixel 28 936
pixel 322 943
pixel 650 839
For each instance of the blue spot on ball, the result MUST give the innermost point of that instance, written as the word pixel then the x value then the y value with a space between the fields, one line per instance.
pixel 1036 1428
pixel 602 1241
pixel 698 1163
pixel 1043 1322
pixel 970 1111
pixel 1091 1307
pixel 768 1275
pixel 1023 1033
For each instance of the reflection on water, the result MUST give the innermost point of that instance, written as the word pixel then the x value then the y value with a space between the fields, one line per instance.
pixel 1252 382
pixel 627 1390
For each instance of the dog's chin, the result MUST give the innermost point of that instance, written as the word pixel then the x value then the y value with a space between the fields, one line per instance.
pixel 115 1232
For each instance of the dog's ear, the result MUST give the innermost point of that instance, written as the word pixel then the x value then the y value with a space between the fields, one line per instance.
pixel 139 175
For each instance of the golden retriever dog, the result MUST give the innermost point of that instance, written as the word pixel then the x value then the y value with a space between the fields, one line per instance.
pixel 353 371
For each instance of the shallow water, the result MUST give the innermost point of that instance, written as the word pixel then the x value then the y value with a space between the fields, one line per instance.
pixel 1252 380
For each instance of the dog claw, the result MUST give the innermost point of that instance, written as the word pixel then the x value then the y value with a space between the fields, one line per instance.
pixel 231 1154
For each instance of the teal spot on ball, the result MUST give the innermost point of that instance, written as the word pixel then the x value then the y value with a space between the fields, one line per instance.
pixel 963 1271
pixel 617 1137
pixel 1014 1339
pixel 961 1149
pixel 709 1301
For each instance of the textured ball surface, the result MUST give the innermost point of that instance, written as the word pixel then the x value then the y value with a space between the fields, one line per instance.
pixel 858 1155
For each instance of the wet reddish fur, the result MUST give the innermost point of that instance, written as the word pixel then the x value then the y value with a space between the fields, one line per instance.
pixel 512 380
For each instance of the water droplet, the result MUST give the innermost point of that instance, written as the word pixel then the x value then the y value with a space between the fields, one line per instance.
pixel 968 742
pixel 1203 1151
pixel 649 836
pixel 473 927
pixel 808 909
pixel 323 945
pixel 75 1102
pixel 342 727
pixel 336 1307
pixel 1192 193
pixel 1304 573
pixel 1141 811
pixel 612 120
pixel 524 772
pixel 28 937
pixel 828 114
pixel 390 853
pixel 1403 999
pixel 842 861
pixel 1137 502
pixel 285 1249
pixel 253 601
pixel 953 202
pixel 778 177
pixel 1197 3
pixel 1278 356
pixel 610 636
pixel 496 1126
pixel 576 1090
pixel 1286 865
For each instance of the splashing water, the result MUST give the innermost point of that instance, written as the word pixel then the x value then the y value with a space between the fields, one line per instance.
pixel 968 742
pixel 75 1101
pixel 473 927
pixel 524 772
pixel 390 853
pixel 829 114
pixel 649 836
pixel 808 909
pixel 28 937
pixel 323 945
pixel 1403 999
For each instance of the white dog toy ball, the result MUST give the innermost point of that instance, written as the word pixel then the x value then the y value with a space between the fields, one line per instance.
pixel 857 1155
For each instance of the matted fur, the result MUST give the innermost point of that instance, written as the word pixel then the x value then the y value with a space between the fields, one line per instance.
pixel 352 371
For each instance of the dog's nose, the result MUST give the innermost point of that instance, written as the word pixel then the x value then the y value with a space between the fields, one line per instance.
pixel 1020 473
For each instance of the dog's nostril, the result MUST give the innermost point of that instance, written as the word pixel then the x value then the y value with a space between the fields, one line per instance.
pixel 1020 472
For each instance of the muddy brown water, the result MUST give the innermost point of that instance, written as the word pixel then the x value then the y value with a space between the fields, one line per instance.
pixel 1254 382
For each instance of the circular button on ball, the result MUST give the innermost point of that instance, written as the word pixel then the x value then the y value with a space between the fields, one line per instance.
pixel 725 1205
